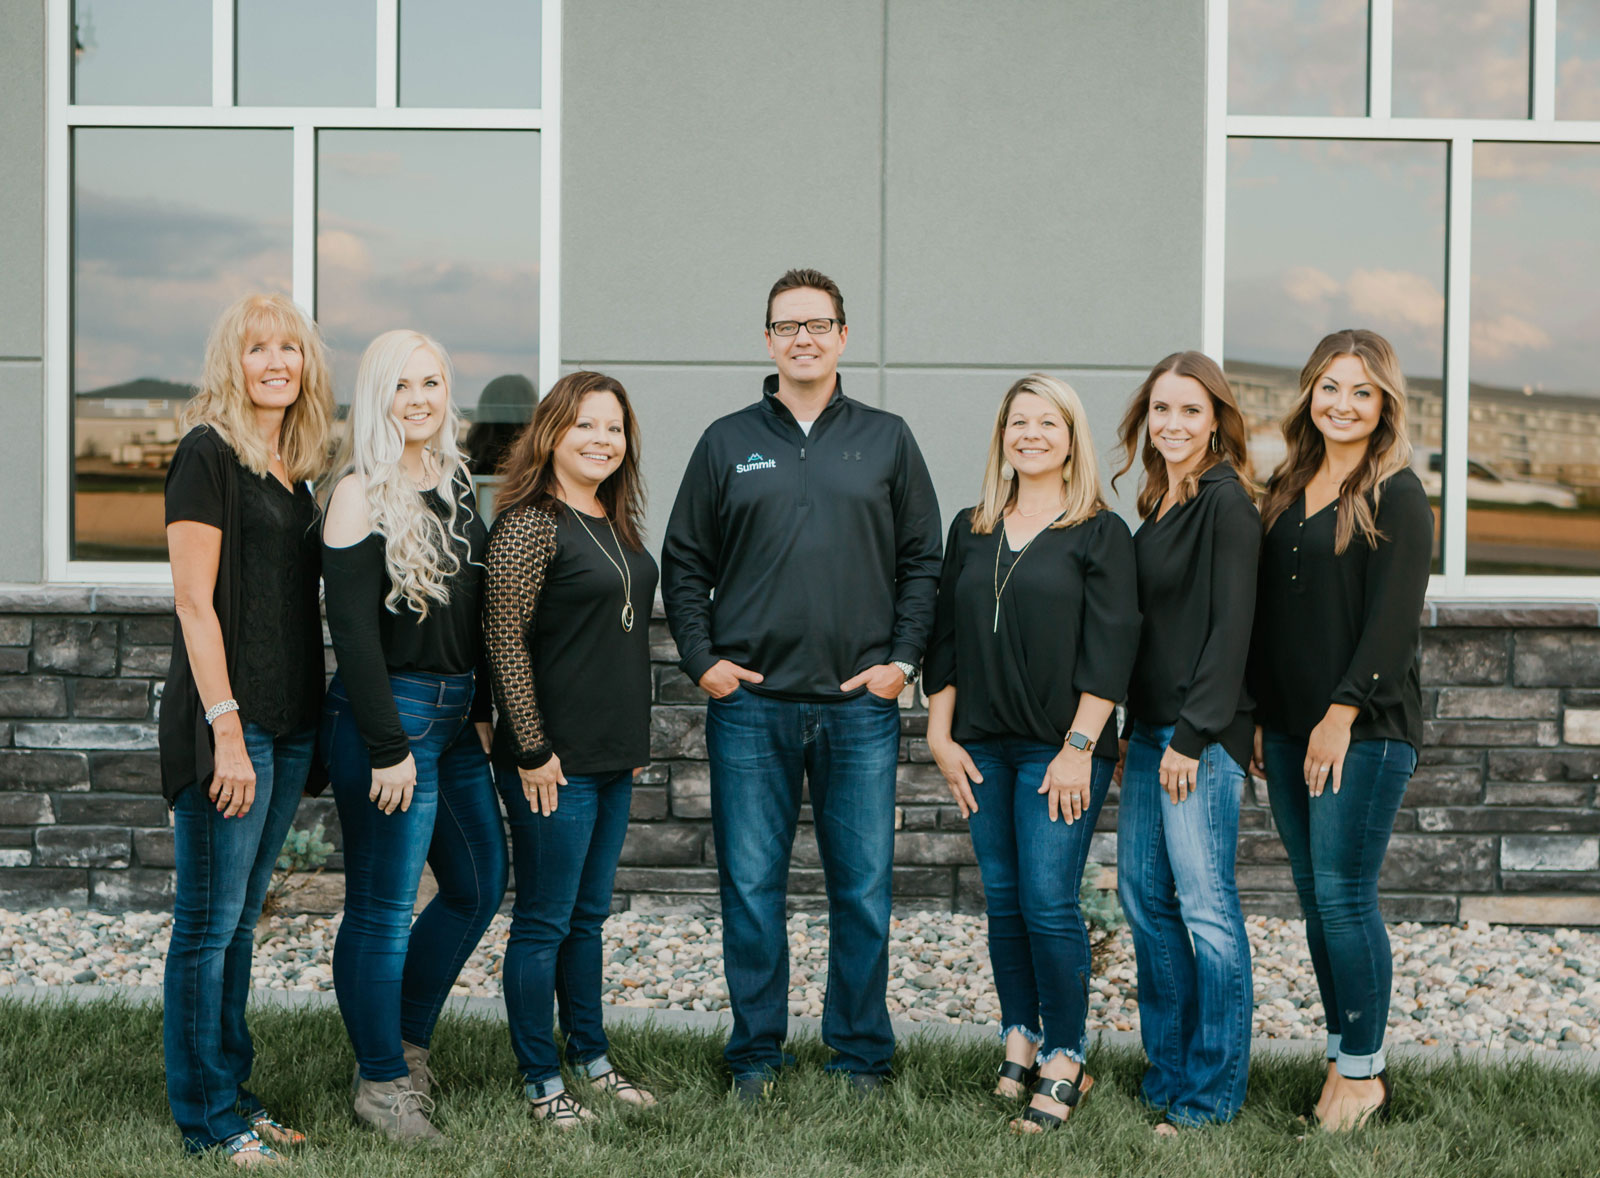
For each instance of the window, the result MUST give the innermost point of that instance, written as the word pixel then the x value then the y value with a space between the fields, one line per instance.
pixel 388 163
pixel 1449 206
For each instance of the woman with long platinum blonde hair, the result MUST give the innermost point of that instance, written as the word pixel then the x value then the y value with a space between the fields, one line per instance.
pixel 1334 670
pixel 1034 638
pixel 406 730
pixel 239 711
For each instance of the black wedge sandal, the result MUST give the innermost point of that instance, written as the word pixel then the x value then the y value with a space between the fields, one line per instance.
pixel 1012 1070
pixel 1071 1093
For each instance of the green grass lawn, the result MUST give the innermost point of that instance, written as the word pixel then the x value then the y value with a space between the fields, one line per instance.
pixel 81 1093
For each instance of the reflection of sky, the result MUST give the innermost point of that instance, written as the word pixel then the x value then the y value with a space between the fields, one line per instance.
pixel 306 52
pixel 166 231
pixel 153 51
pixel 1535 265
pixel 469 53
pixel 1297 57
pixel 1578 59
pixel 1327 234
pixel 1459 60
pixel 433 230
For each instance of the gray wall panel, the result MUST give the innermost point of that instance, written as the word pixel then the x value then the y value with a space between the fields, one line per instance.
pixel 706 149
pixel 22 472
pixel 1044 180
pixel 22 179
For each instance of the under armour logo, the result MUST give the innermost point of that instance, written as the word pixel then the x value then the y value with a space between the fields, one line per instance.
pixel 852 455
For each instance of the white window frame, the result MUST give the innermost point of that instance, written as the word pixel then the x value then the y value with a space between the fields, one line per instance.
pixel 1460 135
pixel 303 122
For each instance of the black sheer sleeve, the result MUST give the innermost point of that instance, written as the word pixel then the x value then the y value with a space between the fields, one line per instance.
pixel 521 548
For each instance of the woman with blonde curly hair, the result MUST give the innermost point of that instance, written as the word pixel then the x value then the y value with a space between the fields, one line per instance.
pixel 405 730
pixel 239 711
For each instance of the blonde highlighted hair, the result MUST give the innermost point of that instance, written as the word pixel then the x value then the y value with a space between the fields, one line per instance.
pixel 224 404
pixel 1388 446
pixel 1080 472
pixel 421 550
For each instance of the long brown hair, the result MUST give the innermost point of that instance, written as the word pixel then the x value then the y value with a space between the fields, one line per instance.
pixel 529 471
pixel 1134 433
pixel 1388 447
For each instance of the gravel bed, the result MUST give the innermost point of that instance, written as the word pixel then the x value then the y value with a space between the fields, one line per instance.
pixel 1474 984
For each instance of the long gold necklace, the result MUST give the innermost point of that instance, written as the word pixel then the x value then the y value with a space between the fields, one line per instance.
pixel 1005 542
pixel 622 569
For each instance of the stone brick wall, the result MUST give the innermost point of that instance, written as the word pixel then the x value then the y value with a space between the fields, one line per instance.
pixel 1499 823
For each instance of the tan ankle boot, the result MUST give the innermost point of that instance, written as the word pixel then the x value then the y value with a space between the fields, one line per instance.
pixel 417 1066
pixel 396 1110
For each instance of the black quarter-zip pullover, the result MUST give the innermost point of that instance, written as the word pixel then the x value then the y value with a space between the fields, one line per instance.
pixel 807 558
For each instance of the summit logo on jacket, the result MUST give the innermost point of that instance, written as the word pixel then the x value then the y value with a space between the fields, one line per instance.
pixel 755 462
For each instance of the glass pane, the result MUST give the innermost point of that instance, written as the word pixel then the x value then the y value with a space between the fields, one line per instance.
pixel 470 53
pixel 436 231
pixel 142 52
pixel 164 236
pixel 1578 59
pixel 1297 57
pixel 1533 484
pixel 306 52
pixel 1326 234
pixel 1463 61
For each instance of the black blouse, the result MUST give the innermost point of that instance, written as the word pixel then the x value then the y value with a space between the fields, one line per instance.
pixel 370 640
pixel 1068 624
pixel 569 679
pixel 1345 628
pixel 1197 590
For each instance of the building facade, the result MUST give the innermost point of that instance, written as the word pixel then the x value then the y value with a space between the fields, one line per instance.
pixel 1064 185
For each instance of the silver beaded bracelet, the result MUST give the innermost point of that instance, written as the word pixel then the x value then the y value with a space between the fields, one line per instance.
pixel 218 709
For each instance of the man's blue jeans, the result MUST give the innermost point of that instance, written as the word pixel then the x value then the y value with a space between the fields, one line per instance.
pixel 1032 869
pixel 1175 877
pixel 761 749
pixel 565 866
pixel 392 976
pixel 224 867
pixel 1336 844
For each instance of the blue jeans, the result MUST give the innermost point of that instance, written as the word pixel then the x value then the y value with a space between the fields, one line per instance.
pixel 224 867
pixel 1175 879
pixel 1032 868
pixel 761 749
pixel 392 976
pixel 1336 845
pixel 565 866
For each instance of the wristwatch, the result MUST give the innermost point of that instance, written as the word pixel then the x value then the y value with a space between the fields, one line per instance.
pixel 909 670
pixel 1080 742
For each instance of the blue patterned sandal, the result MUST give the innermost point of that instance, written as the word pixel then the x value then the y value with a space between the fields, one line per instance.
pixel 247 1149
pixel 275 1132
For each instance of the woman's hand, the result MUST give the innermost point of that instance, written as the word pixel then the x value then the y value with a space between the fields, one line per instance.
pixel 1178 774
pixel 1258 760
pixel 485 731
pixel 958 770
pixel 392 786
pixel 539 785
pixel 1330 741
pixel 233 783
pixel 1067 782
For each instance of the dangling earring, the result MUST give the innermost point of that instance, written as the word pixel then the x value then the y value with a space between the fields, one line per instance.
pixel 1006 471
pixel 1214 447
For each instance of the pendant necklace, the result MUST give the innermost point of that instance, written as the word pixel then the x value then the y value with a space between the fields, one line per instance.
pixel 622 569
pixel 1005 542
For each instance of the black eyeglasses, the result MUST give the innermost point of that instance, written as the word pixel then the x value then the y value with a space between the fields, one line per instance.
pixel 812 326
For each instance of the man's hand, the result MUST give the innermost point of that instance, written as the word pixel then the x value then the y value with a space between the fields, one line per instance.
pixel 722 678
pixel 886 681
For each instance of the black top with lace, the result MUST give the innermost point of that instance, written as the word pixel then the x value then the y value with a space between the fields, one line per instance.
pixel 569 680
pixel 370 640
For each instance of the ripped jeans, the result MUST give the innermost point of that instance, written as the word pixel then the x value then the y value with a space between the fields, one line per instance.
pixel 1032 869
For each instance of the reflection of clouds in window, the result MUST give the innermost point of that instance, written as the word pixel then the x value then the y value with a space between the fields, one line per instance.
pixel 434 230
pixel 470 53
pixel 1328 234
pixel 1578 59
pixel 1297 57
pixel 1458 60
pixel 155 51
pixel 306 53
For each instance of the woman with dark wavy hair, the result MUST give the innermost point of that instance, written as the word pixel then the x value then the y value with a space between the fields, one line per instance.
pixel 1189 733
pixel 567 622
pixel 1334 668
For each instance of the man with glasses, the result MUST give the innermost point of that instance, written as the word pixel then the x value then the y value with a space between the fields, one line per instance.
pixel 799 571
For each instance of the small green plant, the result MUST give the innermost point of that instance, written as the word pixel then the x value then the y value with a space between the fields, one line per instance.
pixel 304 854
pixel 1102 913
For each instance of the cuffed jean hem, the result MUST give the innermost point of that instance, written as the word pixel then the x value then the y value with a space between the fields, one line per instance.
pixel 1360 1067
pixel 598 1066
pixel 544 1089
pixel 1333 1046
pixel 1034 1037
pixel 1076 1057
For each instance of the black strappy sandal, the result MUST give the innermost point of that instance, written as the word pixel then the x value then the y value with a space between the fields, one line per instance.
pixel 560 1111
pixel 1012 1070
pixel 1071 1093
pixel 620 1087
